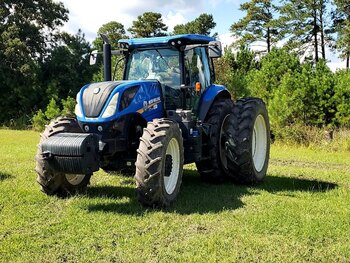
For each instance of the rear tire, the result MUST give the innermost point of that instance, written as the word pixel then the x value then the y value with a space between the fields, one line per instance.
pixel 52 182
pixel 213 170
pixel 248 143
pixel 159 163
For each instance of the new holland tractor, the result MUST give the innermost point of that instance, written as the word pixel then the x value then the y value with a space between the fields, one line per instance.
pixel 166 112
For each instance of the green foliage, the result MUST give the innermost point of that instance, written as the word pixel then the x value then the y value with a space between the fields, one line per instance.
pixel 300 134
pixel 303 24
pixel 257 25
pixel 304 97
pixel 341 26
pixel 25 29
pixel 314 137
pixel 262 82
pixel 341 98
pixel 114 31
pixel 232 69
pixel 39 121
pixel 53 110
pixel 68 107
pixel 296 94
pixel 149 24
pixel 286 107
pixel 117 70
pixel 67 68
pixel 201 25
pixel 319 95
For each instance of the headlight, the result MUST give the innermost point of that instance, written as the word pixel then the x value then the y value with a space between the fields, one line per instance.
pixel 77 109
pixel 127 97
pixel 112 106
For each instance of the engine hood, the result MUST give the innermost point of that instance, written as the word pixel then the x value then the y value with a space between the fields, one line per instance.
pixel 94 98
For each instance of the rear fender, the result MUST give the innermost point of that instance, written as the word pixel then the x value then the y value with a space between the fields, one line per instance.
pixel 212 93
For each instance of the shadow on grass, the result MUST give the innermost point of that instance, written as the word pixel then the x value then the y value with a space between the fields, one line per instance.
pixel 132 207
pixel 5 176
pixel 275 184
pixel 110 192
pixel 199 197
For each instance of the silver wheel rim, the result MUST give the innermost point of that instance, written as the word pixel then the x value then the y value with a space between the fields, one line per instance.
pixel 170 181
pixel 75 179
pixel 259 143
pixel 222 142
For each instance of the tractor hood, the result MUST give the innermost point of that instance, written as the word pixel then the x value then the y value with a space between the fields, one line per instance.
pixel 106 101
pixel 94 97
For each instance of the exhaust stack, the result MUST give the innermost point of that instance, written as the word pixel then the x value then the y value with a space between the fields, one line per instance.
pixel 107 58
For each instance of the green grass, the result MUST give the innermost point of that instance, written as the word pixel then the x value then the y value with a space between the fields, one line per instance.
pixel 300 213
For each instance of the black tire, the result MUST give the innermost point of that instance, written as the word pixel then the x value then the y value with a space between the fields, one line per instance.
pixel 248 144
pixel 213 170
pixel 158 173
pixel 51 182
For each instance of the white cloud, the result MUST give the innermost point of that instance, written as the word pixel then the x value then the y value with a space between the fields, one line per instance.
pixel 226 39
pixel 334 66
pixel 172 19
pixel 90 16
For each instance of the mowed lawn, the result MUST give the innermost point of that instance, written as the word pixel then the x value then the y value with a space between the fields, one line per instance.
pixel 300 213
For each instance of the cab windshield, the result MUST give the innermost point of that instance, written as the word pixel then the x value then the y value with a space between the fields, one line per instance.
pixel 162 64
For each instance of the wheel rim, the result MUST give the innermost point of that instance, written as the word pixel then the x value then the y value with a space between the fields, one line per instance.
pixel 222 141
pixel 259 143
pixel 172 164
pixel 75 179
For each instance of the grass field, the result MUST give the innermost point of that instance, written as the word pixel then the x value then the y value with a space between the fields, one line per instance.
pixel 300 213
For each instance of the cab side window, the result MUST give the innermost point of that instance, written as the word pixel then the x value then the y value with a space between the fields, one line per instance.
pixel 197 67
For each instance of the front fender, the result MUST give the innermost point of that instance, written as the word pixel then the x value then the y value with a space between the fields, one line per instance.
pixel 209 95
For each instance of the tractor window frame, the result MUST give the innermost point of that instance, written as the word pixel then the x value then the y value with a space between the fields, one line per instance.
pixel 166 68
pixel 197 67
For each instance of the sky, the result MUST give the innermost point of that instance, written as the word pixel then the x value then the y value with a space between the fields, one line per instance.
pixel 89 16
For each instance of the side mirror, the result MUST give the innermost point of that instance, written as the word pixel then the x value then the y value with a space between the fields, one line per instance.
pixel 93 57
pixel 215 49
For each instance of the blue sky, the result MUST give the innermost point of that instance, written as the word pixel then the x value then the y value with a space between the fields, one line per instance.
pixel 89 16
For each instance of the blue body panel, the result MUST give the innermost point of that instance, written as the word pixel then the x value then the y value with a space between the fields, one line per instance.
pixel 147 102
pixel 165 41
pixel 208 97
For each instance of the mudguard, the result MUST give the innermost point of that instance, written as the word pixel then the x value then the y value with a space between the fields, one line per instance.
pixel 207 98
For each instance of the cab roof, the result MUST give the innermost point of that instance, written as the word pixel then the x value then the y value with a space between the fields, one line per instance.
pixel 177 40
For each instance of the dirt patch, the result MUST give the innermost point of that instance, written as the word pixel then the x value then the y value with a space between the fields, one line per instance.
pixel 313 165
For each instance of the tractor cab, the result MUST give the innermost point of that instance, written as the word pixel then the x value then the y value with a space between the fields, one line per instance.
pixel 182 64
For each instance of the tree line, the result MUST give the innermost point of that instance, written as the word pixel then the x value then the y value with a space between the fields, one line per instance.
pixel 306 27
pixel 41 64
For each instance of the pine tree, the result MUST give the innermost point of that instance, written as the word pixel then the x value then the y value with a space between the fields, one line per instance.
pixel 257 25
pixel 302 23
pixel 149 24
pixel 341 26
pixel 201 25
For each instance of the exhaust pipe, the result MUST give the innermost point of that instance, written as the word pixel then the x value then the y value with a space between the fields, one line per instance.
pixel 107 58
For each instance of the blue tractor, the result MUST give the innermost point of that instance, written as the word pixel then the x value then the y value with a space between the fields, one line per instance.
pixel 166 112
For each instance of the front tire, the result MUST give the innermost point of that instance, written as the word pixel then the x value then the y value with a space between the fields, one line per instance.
pixel 248 141
pixel 52 182
pixel 159 163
